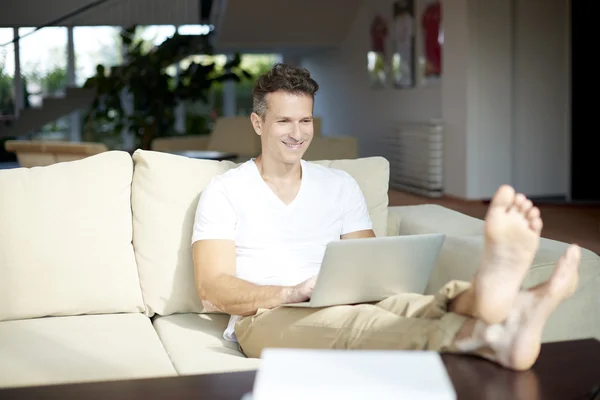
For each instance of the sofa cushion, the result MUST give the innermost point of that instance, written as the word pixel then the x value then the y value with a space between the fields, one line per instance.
pixel 165 194
pixel 576 318
pixel 86 348
pixel 372 175
pixel 195 344
pixel 65 239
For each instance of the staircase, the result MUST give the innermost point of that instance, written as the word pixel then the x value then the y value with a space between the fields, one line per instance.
pixel 53 108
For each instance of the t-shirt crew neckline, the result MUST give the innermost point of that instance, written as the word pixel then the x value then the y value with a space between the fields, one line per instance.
pixel 270 193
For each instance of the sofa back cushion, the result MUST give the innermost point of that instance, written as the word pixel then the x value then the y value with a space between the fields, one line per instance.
pixel 165 193
pixel 65 239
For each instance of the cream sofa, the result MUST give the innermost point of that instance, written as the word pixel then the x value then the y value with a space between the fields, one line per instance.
pixel 96 276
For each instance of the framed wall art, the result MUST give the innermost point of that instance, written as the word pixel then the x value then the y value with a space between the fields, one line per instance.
pixel 377 56
pixel 403 57
pixel 429 41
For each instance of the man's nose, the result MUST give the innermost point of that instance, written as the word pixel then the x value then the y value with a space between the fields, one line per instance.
pixel 296 133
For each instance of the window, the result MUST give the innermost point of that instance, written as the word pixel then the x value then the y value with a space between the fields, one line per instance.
pixel 95 45
pixel 7 71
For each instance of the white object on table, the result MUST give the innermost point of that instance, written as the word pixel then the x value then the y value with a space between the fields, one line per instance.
pixel 351 374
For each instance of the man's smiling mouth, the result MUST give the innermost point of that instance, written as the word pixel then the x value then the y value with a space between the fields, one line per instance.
pixel 293 146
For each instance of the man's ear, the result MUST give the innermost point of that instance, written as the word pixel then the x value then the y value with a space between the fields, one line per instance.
pixel 256 123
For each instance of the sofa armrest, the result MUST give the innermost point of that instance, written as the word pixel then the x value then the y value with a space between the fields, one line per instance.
pixel 461 253
pixel 576 318
pixel 431 218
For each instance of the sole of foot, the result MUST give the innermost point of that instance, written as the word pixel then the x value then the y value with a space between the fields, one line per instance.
pixel 512 233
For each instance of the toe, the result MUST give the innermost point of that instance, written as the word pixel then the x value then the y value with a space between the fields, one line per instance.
pixel 526 207
pixel 533 213
pixel 570 259
pixel 564 278
pixel 520 200
pixel 573 254
pixel 504 197
pixel 536 225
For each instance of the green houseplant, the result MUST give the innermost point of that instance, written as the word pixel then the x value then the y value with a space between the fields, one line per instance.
pixel 155 93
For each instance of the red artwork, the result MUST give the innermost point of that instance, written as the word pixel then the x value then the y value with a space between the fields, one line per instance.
pixel 431 22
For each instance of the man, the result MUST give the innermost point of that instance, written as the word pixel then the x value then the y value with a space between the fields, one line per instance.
pixel 261 230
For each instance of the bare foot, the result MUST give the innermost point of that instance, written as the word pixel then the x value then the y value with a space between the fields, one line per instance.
pixel 533 308
pixel 512 234
pixel 516 342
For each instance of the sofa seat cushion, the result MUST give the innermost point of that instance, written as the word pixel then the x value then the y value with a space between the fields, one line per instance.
pixel 165 193
pixel 196 346
pixel 65 239
pixel 87 348
pixel 576 318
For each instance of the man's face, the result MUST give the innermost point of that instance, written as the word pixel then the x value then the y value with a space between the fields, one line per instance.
pixel 287 127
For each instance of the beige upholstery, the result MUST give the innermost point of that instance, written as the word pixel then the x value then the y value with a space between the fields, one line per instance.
pixel 461 254
pixel 37 153
pixel 165 192
pixel 65 239
pixel 96 276
pixel 195 344
pixel 80 349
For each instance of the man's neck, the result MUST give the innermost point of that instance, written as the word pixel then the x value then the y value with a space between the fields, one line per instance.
pixel 275 170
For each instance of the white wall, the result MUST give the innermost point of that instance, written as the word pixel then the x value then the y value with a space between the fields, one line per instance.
pixel 454 96
pixel 542 106
pixel 503 96
pixel 477 97
pixel 345 99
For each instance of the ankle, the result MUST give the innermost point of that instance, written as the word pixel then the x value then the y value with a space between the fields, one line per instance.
pixel 470 337
pixel 464 303
pixel 489 341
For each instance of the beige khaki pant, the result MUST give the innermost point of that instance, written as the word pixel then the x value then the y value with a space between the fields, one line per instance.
pixel 401 322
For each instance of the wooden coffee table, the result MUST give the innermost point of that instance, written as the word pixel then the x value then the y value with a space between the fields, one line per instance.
pixel 564 370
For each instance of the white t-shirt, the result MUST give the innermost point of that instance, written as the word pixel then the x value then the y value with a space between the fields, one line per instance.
pixel 279 244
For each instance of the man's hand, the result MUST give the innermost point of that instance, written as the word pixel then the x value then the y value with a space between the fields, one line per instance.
pixel 301 292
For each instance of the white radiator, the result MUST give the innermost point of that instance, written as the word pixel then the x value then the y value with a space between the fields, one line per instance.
pixel 416 155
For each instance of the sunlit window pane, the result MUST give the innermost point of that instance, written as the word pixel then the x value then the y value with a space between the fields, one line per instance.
pixel 95 45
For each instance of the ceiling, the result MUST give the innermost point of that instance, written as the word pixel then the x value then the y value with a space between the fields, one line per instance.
pixel 34 13
pixel 241 25
pixel 277 24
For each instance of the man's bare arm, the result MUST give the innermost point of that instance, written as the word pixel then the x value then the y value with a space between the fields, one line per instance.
pixel 359 234
pixel 214 266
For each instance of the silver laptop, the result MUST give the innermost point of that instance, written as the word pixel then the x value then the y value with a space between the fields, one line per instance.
pixel 367 270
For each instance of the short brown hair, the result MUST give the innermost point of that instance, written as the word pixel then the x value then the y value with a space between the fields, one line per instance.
pixel 282 77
